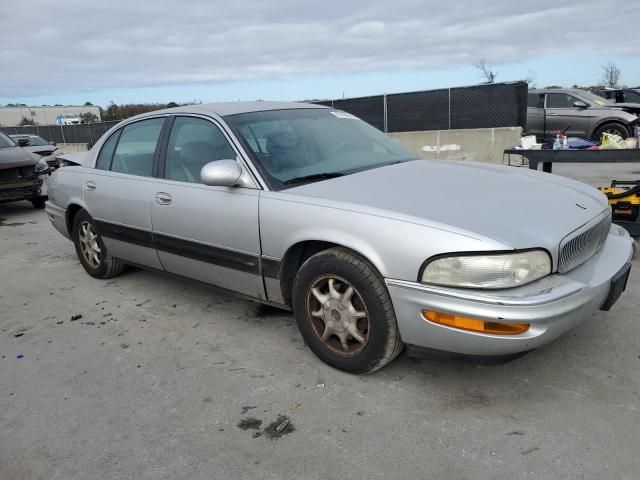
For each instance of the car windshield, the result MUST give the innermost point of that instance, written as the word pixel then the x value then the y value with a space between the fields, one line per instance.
pixel 6 141
pixel 297 146
pixel 593 98
pixel 36 141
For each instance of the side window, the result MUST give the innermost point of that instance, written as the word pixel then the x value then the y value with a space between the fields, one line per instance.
pixel 106 153
pixel 631 96
pixel 560 100
pixel 193 143
pixel 535 100
pixel 137 145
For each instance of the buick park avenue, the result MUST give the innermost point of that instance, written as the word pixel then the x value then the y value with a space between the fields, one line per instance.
pixel 313 210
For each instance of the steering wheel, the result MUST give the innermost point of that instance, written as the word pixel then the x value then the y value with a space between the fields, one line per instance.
pixel 343 145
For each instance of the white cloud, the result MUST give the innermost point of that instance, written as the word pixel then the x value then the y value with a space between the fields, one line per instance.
pixel 67 46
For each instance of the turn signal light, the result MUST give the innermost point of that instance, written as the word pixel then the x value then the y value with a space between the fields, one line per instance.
pixel 475 325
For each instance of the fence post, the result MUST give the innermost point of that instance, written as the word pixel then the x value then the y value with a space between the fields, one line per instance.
pixel 384 99
pixel 449 109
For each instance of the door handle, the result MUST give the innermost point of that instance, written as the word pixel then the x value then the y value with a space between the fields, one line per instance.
pixel 552 114
pixel 163 198
pixel 90 186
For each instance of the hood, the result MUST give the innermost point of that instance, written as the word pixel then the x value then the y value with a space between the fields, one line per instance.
pixel 518 207
pixel 628 107
pixel 13 157
pixel 78 158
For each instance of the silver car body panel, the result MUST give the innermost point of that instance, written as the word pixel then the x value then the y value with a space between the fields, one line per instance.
pixel 396 216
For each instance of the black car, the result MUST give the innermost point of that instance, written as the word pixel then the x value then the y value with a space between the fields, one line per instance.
pixel 21 174
pixel 621 95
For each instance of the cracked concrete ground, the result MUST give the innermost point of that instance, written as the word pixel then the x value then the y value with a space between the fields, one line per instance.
pixel 149 376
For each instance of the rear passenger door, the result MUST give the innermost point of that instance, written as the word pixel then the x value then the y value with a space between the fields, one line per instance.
pixel 535 115
pixel 203 232
pixel 117 191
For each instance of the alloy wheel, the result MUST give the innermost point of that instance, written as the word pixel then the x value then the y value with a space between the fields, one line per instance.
pixel 338 315
pixel 89 244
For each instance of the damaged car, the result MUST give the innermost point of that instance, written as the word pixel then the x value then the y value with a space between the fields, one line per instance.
pixel 310 209
pixel 22 174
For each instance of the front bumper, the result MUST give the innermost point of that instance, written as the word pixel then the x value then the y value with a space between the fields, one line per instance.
pixel 552 305
pixel 57 216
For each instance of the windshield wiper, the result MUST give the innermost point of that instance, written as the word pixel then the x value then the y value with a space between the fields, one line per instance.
pixel 315 176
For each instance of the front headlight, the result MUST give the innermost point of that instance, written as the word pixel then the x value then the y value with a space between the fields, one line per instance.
pixel 41 167
pixel 500 270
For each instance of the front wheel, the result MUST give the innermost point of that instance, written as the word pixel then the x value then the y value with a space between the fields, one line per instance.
pixel 91 250
pixel 344 312
pixel 612 128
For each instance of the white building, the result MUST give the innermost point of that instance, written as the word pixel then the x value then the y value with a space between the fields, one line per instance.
pixel 12 116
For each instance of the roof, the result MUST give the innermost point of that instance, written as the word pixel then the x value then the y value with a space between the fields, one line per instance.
pixel 232 108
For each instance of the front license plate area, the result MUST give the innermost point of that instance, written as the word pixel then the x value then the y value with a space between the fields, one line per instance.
pixel 618 285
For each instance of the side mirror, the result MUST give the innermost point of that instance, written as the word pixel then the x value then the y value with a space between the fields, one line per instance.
pixel 53 143
pixel 23 142
pixel 221 173
pixel 580 104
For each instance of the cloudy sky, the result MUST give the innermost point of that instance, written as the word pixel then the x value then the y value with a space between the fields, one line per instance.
pixel 71 51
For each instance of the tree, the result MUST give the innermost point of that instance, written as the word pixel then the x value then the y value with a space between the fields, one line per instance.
pixel 88 104
pixel 611 74
pixel 88 117
pixel 485 70
pixel 24 121
pixel 531 79
pixel 172 105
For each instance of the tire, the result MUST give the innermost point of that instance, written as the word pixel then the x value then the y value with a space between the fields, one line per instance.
pixel 97 263
pixel 328 276
pixel 38 202
pixel 615 128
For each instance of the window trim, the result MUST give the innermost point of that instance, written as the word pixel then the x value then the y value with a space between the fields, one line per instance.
pixel 231 140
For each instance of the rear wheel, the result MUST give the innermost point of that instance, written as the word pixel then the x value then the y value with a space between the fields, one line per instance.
pixel 344 312
pixel 612 128
pixel 91 250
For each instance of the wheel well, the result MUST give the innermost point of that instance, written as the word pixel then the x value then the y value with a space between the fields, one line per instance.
pixel 72 210
pixel 293 260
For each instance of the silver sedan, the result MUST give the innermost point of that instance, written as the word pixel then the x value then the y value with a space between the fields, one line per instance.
pixel 311 209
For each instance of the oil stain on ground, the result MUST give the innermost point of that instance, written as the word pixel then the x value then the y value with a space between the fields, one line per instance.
pixel 249 424
pixel 281 427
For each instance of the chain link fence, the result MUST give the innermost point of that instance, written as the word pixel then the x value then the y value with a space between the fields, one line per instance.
pixel 83 133
pixel 480 106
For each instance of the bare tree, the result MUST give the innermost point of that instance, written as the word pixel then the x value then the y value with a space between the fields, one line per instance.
pixel 488 74
pixel 531 79
pixel 611 74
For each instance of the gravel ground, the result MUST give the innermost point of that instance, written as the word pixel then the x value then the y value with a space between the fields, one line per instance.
pixel 149 376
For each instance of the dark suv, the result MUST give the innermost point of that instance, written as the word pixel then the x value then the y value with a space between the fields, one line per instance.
pixel 21 174
pixel 586 114
pixel 621 95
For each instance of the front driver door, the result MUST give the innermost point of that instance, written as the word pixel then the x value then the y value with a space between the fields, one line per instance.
pixel 561 112
pixel 207 233
pixel 117 191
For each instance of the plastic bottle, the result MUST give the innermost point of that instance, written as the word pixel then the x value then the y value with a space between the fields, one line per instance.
pixel 565 142
pixel 557 144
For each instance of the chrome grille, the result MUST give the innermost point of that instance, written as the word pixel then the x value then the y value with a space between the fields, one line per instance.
pixel 576 250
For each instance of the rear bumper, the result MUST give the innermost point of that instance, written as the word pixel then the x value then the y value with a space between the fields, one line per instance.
pixel 552 305
pixel 58 217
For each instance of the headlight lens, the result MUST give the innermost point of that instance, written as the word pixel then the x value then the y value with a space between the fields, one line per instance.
pixel 41 166
pixel 488 271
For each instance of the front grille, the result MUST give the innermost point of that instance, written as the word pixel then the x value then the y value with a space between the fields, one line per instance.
pixel 577 249
pixel 9 175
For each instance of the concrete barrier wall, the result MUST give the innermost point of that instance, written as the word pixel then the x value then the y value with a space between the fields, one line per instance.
pixel 480 145
pixel 64 148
